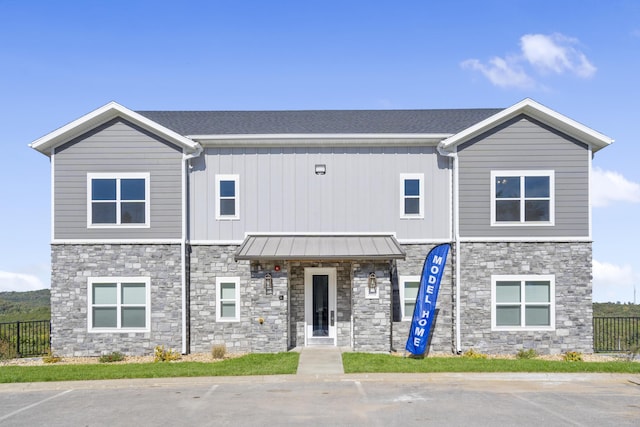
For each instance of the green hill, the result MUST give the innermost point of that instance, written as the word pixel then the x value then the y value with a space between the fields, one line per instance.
pixel 23 306
pixel 610 309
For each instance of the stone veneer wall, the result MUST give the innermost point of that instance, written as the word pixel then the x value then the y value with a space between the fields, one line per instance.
pixel 571 265
pixel 247 335
pixel 441 340
pixel 371 315
pixel 72 265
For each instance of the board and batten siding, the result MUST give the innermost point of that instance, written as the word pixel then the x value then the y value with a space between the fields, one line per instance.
pixel 279 191
pixel 117 146
pixel 524 144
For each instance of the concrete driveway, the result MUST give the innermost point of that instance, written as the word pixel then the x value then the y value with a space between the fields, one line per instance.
pixel 320 400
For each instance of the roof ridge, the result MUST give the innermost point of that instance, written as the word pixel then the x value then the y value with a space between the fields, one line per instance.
pixel 385 110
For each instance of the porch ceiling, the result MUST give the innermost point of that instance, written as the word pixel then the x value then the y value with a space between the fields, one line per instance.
pixel 310 247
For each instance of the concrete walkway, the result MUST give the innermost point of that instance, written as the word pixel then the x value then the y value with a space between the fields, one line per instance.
pixel 320 360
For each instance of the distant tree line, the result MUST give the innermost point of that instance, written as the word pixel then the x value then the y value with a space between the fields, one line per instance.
pixel 611 309
pixel 24 306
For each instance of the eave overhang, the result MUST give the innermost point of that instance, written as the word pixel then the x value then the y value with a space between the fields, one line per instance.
pixel 316 139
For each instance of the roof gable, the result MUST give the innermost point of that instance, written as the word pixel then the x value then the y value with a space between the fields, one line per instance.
pixel 531 108
pixel 103 115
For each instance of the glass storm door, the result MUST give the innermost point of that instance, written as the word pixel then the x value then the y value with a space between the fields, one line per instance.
pixel 320 306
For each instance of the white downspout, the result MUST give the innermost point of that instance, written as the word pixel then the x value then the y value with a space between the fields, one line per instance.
pixel 456 238
pixel 183 240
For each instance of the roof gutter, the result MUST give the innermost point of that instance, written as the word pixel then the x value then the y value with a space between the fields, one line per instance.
pixel 319 139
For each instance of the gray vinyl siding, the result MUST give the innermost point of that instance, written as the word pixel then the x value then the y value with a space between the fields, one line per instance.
pixel 524 144
pixel 117 146
pixel 279 191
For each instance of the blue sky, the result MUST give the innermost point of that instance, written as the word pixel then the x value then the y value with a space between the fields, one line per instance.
pixel 60 60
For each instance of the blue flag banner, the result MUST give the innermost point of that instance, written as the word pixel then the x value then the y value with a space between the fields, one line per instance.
pixel 426 299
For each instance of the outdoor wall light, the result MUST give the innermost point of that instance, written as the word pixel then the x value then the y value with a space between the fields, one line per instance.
pixel 268 284
pixel 321 169
pixel 373 283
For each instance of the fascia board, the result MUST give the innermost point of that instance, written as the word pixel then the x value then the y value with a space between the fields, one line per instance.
pixel 537 111
pixel 103 115
pixel 349 139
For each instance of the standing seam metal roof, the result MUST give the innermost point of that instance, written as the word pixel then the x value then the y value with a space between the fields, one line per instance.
pixel 314 247
pixel 319 121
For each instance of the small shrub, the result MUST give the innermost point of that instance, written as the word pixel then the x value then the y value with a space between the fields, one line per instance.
pixel 51 358
pixel 115 356
pixel 526 354
pixel 472 354
pixel 218 351
pixel 572 356
pixel 7 350
pixel 162 355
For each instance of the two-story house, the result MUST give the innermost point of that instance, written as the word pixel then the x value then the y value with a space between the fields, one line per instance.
pixel 269 230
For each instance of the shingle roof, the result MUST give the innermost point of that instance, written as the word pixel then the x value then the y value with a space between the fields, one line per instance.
pixel 319 121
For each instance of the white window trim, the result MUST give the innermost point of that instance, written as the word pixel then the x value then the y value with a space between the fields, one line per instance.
pixel 522 278
pixel 236 179
pixel 420 178
pixel 236 282
pixel 401 282
pixel 118 176
pixel 522 222
pixel 118 281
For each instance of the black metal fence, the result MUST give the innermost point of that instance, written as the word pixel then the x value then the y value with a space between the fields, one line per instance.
pixel 33 338
pixel 21 339
pixel 616 334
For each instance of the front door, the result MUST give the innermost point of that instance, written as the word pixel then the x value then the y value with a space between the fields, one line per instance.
pixel 320 306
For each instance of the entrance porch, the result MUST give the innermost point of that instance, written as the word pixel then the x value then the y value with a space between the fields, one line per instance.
pixel 331 300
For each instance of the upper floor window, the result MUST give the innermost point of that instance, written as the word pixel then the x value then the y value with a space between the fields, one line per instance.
pixel 411 195
pixel 523 302
pixel 409 286
pixel 522 197
pixel 227 198
pixel 118 304
pixel 118 199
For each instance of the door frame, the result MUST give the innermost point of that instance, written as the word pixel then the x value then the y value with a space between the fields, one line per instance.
pixel 309 272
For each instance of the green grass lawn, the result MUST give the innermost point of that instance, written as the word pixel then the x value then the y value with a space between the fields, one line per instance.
pixel 379 363
pixel 287 363
pixel 252 364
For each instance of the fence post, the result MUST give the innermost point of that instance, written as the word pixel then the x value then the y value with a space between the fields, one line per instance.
pixel 18 338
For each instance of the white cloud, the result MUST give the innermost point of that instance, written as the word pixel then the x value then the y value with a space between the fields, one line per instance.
pixel 555 53
pixel 612 283
pixel 19 282
pixel 608 187
pixel 501 72
pixel 542 53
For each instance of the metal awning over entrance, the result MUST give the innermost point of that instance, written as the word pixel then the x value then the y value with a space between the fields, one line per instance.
pixel 314 247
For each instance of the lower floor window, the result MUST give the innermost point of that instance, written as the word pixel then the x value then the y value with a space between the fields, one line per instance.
pixel 409 286
pixel 118 304
pixel 228 299
pixel 523 302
